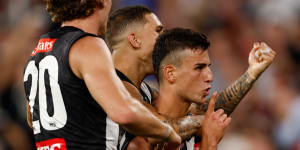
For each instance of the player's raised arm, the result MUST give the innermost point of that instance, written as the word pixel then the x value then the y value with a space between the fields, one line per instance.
pixel 90 60
pixel 260 58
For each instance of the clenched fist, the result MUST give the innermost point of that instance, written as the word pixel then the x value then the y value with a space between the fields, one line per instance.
pixel 260 58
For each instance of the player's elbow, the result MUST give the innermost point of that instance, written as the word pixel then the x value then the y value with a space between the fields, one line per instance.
pixel 127 115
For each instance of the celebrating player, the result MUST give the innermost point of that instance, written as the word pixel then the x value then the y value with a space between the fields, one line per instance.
pixel 131 35
pixel 73 90
pixel 181 63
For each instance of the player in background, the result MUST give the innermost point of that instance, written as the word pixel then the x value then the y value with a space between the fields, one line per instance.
pixel 133 31
pixel 74 94
pixel 131 35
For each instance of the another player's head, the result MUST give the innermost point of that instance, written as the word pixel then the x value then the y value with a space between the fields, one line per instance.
pixel 133 30
pixel 181 63
pixel 67 10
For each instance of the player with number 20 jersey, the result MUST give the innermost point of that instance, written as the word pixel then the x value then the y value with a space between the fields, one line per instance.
pixel 54 92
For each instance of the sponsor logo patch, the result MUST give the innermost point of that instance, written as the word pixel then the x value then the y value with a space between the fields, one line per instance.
pixel 53 144
pixel 197 146
pixel 44 45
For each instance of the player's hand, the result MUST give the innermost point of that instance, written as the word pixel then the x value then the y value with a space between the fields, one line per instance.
pixel 174 140
pixel 214 124
pixel 260 58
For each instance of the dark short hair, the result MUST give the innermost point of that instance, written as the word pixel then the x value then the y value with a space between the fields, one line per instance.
pixel 175 40
pixel 66 10
pixel 120 19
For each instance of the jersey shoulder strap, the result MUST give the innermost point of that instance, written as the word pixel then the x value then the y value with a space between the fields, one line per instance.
pixel 123 77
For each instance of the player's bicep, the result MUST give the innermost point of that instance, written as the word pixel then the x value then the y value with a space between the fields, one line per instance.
pixel 91 60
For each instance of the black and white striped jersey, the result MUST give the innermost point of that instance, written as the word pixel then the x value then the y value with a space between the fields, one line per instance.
pixel 65 115
pixel 147 95
pixel 191 144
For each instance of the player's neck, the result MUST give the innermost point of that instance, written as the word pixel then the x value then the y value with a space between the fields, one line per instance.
pixel 131 68
pixel 90 24
pixel 171 105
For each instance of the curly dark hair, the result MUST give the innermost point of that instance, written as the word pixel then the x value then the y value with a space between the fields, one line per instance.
pixel 175 40
pixel 66 10
pixel 120 19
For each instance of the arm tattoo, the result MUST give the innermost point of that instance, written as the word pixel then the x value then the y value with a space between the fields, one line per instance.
pixel 187 126
pixel 229 98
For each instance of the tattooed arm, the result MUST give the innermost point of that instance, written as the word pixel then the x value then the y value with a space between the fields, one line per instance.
pixel 185 127
pixel 229 98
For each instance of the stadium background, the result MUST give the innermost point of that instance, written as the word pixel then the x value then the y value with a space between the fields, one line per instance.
pixel 267 119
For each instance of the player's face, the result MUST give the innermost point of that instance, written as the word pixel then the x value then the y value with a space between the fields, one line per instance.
pixel 150 32
pixel 193 76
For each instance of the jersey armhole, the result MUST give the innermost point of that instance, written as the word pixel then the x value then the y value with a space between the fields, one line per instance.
pixel 76 38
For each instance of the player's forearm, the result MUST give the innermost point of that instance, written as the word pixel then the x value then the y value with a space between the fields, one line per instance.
pixel 232 96
pixel 187 126
pixel 144 123
pixel 206 144
pixel 229 98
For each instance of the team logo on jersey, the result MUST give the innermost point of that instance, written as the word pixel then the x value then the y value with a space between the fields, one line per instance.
pixel 53 144
pixel 197 146
pixel 44 45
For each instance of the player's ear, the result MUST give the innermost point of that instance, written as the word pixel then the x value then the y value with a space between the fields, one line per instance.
pixel 134 41
pixel 169 72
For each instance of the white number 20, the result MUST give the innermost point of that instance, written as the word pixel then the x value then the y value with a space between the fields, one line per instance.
pixel 59 118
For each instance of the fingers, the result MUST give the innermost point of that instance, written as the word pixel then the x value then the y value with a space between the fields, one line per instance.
pixel 263 52
pixel 256 44
pixel 264 45
pixel 227 121
pixel 223 117
pixel 224 121
pixel 256 47
pixel 268 57
pixel 211 105
pixel 219 113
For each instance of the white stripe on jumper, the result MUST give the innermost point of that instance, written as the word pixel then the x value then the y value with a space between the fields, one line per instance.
pixel 112 134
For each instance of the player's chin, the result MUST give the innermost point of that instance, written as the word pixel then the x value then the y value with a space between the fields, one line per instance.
pixel 201 100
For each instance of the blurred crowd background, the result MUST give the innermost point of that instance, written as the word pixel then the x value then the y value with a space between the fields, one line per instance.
pixel 267 119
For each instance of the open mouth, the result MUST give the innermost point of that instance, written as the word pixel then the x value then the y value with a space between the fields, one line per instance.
pixel 206 91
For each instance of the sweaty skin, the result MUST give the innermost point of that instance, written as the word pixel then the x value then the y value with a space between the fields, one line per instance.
pixel 229 98
pixel 109 92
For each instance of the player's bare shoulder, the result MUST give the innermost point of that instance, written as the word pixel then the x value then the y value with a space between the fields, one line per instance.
pixel 87 50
